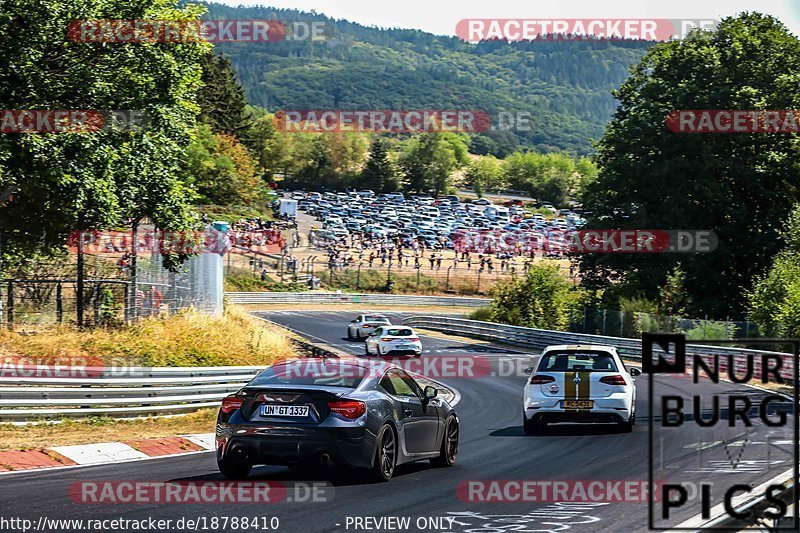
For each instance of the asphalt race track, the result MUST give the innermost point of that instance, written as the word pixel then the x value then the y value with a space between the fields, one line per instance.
pixel 492 447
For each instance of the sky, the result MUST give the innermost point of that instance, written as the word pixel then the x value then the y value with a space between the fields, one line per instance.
pixel 441 16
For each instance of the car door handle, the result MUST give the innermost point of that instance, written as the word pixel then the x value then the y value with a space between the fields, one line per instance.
pixel 408 413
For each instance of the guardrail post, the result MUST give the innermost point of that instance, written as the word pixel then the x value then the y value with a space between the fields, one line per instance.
pixel 96 304
pixel 10 305
pixel 59 304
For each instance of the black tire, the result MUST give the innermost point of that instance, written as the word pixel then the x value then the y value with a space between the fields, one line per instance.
pixel 349 335
pixel 532 427
pixel 233 468
pixel 385 455
pixel 449 449
pixel 366 349
pixel 627 427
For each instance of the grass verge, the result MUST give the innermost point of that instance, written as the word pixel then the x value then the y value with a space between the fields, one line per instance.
pixel 102 429
pixel 186 339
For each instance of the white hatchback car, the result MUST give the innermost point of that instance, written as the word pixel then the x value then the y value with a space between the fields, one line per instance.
pixel 363 325
pixel 393 339
pixel 579 384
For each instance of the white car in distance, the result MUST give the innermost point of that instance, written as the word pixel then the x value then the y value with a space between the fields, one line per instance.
pixel 363 325
pixel 386 340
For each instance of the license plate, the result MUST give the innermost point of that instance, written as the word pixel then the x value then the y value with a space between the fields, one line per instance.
pixel 284 410
pixel 577 404
pixel 406 347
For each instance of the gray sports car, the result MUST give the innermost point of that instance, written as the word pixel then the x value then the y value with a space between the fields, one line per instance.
pixel 328 412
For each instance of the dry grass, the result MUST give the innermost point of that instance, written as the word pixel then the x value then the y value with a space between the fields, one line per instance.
pixel 95 430
pixel 186 339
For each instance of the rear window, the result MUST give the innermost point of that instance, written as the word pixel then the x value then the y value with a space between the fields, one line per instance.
pixel 577 361
pixel 315 372
pixel 377 318
pixel 400 332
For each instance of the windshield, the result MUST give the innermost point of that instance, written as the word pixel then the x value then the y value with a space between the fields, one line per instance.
pixel 573 361
pixel 314 372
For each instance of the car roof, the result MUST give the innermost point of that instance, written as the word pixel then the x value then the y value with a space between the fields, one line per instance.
pixel 581 348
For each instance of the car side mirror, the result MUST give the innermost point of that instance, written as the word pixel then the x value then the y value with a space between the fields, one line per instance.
pixel 354 320
pixel 528 371
pixel 430 393
pixel 635 372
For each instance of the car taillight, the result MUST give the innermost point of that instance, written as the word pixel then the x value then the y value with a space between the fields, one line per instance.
pixel 366 326
pixel 386 339
pixel 414 339
pixel 351 409
pixel 541 380
pixel 613 380
pixel 231 403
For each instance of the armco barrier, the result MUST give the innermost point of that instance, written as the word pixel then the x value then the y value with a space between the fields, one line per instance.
pixel 537 339
pixel 313 297
pixel 119 393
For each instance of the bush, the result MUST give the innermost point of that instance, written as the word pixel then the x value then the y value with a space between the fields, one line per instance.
pixel 483 314
pixel 542 299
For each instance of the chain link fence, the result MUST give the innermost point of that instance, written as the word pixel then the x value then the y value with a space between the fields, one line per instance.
pixel 46 291
pixel 615 323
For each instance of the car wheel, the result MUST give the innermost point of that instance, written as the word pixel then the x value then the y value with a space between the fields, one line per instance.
pixel 533 427
pixel 385 454
pixel 627 427
pixel 366 349
pixel 349 334
pixel 233 467
pixel 449 449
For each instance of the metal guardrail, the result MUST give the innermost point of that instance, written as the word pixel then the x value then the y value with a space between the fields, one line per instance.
pixel 350 298
pixel 120 392
pixel 537 339
pixel 631 349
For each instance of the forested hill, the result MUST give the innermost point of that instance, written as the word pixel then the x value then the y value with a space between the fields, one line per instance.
pixel 565 85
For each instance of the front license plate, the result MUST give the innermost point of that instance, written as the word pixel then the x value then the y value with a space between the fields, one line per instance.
pixel 284 410
pixel 577 404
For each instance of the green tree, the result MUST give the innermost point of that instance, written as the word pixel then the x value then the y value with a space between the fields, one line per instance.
pixel 271 149
pixel 428 163
pixel 101 179
pixel 221 169
pixel 223 105
pixel 543 298
pixel 546 177
pixel 483 173
pixel 737 185
pixel 379 172
pixel 774 301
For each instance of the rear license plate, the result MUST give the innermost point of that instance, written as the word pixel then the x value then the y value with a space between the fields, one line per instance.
pixel 577 404
pixel 284 410
pixel 406 347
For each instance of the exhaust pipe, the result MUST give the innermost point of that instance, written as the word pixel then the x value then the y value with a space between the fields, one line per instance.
pixel 240 453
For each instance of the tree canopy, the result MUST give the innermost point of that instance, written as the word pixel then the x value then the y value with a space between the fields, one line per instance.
pixel 741 186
